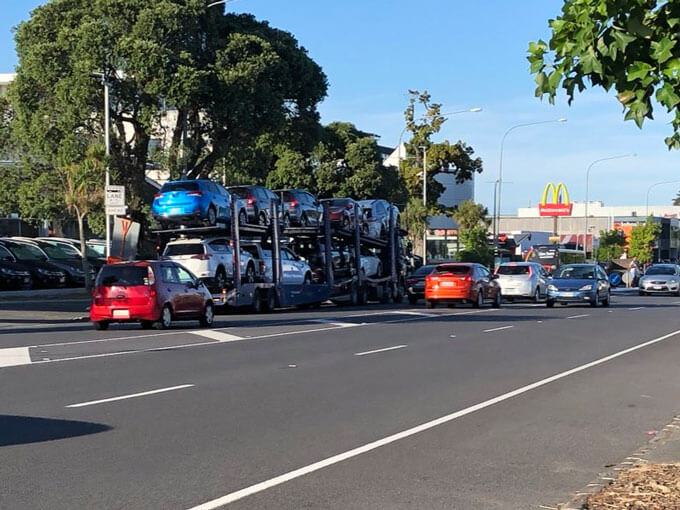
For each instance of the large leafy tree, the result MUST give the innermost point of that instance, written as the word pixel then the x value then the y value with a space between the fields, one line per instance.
pixel 473 226
pixel 642 239
pixel 630 46
pixel 230 79
pixel 612 244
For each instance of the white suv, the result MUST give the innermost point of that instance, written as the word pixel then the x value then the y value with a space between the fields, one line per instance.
pixel 211 260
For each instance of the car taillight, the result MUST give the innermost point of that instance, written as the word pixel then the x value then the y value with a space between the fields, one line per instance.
pixel 202 256
pixel 251 199
pixel 531 271
pixel 195 194
pixel 293 204
pixel 158 195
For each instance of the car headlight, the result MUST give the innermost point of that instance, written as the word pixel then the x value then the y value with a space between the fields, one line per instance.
pixel 587 287
pixel 553 288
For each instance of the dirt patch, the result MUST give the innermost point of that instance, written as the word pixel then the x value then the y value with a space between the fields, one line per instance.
pixel 642 487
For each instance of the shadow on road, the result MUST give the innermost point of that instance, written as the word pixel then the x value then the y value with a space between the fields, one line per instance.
pixel 15 430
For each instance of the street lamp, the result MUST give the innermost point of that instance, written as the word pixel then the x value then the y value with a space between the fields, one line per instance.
pixel 650 189
pixel 585 236
pixel 499 181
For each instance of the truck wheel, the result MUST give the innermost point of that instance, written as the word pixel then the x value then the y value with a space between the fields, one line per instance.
pixel 212 216
pixel 242 218
pixel 363 295
pixel 353 295
pixel 220 279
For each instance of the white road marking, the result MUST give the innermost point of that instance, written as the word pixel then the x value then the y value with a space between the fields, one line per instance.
pixel 411 312
pixel 637 308
pixel 380 350
pixel 217 335
pixel 338 323
pixel 134 395
pixel 291 475
pixel 579 316
pixel 14 356
pixel 497 329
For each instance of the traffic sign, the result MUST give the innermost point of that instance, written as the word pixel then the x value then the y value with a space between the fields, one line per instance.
pixel 115 196
pixel 116 210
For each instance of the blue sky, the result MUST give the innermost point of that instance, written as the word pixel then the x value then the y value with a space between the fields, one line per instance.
pixel 465 54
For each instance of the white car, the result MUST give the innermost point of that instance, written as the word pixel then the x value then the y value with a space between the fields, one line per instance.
pixel 293 268
pixel 211 260
pixel 371 266
pixel 523 280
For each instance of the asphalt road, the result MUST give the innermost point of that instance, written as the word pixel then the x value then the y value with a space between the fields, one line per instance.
pixel 384 407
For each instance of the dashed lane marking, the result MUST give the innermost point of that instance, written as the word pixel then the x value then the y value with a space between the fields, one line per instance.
pixel 579 316
pixel 380 350
pixel 497 329
pixel 133 395
pixel 217 335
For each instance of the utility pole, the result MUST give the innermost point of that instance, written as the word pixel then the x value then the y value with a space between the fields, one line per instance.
pixel 424 149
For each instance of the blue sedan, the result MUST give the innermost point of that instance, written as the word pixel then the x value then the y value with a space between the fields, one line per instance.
pixel 579 283
pixel 190 202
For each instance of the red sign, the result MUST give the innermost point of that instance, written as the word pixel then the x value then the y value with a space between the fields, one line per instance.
pixel 560 205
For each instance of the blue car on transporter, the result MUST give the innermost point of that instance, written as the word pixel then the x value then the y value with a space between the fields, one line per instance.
pixel 191 202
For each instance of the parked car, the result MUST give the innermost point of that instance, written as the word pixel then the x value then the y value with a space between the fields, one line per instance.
pixel 97 246
pixel 94 257
pixel 257 200
pixel 462 283
pixel 371 266
pixel 377 217
pixel 523 280
pixel 211 260
pixel 579 283
pixel 293 268
pixel 341 212
pixel 151 292
pixel 299 208
pixel 64 258
pixel 660 278
pixel 44 274
pixel 191 202
pixel 415 284
pixel 13 276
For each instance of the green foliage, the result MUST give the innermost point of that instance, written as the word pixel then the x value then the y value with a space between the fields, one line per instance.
pixel 413 220
pixel 642 238
pixel 612 244
pixel 473 225
pixel 457 159
pixel 630 46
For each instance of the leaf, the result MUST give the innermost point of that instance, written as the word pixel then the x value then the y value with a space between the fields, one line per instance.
pixel 638 70
pixel 622 39
pixel 591 63
pixel 637 112
pixel 667 96
pixel 672 68
pixel 554 80
pixel 662 49
pixel 625 96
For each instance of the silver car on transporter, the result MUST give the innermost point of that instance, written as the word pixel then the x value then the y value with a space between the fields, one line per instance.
pixel 661 278
pixel 523 280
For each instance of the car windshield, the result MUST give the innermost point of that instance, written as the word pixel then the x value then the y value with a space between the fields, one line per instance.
pixel 123 276
pixel 575 273
pixel 513 270
pixel 183 249
pixel 26 252
pixel 179 186
pixel 59 251
pixel 452 270
pixel 423 271
pixel 660 270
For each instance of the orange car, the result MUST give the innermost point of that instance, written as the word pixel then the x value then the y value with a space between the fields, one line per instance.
pixel 462 283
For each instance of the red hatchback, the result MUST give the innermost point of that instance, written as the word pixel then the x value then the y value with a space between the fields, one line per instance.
pixel 151 292
pixel 462 283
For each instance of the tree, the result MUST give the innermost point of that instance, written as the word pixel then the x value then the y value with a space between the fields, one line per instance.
pixel 642 239
pixel 445 157
pixel 612 244
pixel 473 226
pixel 231 80
pixel 83 193
pixel 413 220
pixel 630 46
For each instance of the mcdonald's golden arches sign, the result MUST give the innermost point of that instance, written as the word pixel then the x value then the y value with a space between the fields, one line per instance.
pixel 560 205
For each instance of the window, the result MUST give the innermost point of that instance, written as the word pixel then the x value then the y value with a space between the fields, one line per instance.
pixel 219 245
pixel 183 275
pixel 667 270
pixel 513 270
pixel 59 251
pixel 26 252
pixel 221 190
pixel 6 255
pixel 575 273
pixel 180 186
pixel 452 270
pixel 483 272
pixel 173 250
pixel 123 276
pixel 285 255
pixel 168 274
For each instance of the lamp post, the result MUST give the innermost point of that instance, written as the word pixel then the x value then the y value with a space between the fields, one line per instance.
pixel 650 189
pixel 499 181
pixel 424 149
pixel 585 232
pixel 107 144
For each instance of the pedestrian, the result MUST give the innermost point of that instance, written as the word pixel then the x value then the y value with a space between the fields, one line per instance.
pixel 633 273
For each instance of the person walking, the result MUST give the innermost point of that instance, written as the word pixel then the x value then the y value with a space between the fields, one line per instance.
pixel 633 273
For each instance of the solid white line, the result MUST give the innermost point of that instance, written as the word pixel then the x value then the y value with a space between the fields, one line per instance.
pixel 14 356
pixel 134 395
pixel 379 350
pixel 410 312
pixel 637 308
pixel 497 329
pixel 217 335
pixel 337 323
pixel 278 480
pixel 579 316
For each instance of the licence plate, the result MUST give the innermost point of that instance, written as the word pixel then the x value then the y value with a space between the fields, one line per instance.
pixel 27 280
pixel 448 284
pixel 657 287
pixel 568 294
pixel 175 210
pixel 121 314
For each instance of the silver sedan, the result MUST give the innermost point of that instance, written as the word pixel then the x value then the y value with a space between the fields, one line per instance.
pixel 661 278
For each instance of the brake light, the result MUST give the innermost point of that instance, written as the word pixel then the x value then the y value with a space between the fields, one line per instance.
pixel 531 271
pixel 293 204
pixel 158 195
pixel 349 206
pixel 195 194
pixel 202 256
pixel 251 199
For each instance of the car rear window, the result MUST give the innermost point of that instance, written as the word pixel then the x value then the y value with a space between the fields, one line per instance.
pixel 183 249
pixel 123 276
pixel 575 273
pixel 179 186
pixel 667 270
pixel 58 251
pixel 513 270
pixel 454 270
pixel 240 192
pixel 423 270
pixel 339 203
pixel 26 252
